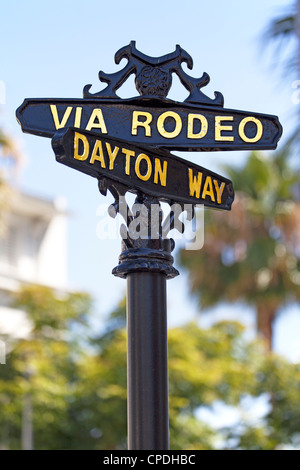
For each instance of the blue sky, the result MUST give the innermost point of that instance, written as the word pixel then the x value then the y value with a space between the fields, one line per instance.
pixel 54 48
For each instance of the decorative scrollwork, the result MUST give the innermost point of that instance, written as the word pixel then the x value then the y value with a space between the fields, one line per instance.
pixel 153 81
pixel 154 77
pixel 145 241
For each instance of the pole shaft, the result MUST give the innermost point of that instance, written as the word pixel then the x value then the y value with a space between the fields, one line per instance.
pixel 147 362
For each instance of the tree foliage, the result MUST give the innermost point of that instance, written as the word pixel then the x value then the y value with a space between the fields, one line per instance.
pixel 77 382
pixel 252 252
pixel 42 365
pixel 281 34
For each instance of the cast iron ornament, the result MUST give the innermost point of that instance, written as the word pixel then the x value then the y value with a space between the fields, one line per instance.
pixel 144 253
pixel 153 76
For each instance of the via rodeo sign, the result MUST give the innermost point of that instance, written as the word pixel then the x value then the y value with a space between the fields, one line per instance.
pixel 128 140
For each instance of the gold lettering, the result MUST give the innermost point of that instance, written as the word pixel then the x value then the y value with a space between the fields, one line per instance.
pixel 77 120
pixel 190 126
pixel 219 191
pixel 219 128
pixel 128 153
pixel 158 171
pixel 161 121
pixel 98 156
pixel 136 123
pixel 59 125
pixel 146 176
pixel 96 114
pixel 259 129
pixel 195 183
pixel 208 189
pixel 77 138
pixel 111 155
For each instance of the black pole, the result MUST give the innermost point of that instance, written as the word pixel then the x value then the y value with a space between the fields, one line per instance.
pixel 147 362
pixel 147 266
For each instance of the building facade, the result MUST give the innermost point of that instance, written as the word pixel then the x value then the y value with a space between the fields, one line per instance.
pixel 32 251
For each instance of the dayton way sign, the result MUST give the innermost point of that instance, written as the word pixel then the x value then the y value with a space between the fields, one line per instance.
pixel 126 144
pixel 154 172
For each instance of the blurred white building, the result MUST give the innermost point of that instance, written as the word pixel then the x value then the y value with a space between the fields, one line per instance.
pixel 32 250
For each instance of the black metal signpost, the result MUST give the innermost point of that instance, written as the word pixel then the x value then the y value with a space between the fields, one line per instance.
pixel 125 144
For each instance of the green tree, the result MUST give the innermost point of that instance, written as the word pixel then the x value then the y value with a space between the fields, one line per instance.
pixel 206 366
pixel 252 253
pixel 282 34
pixel 77 382
pixel 36 382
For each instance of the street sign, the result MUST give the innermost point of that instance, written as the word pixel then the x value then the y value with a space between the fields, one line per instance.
pixel 171 125
pixel 199 123
pixel 158 173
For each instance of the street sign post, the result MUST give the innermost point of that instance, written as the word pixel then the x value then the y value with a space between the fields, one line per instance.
pixel 125 144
